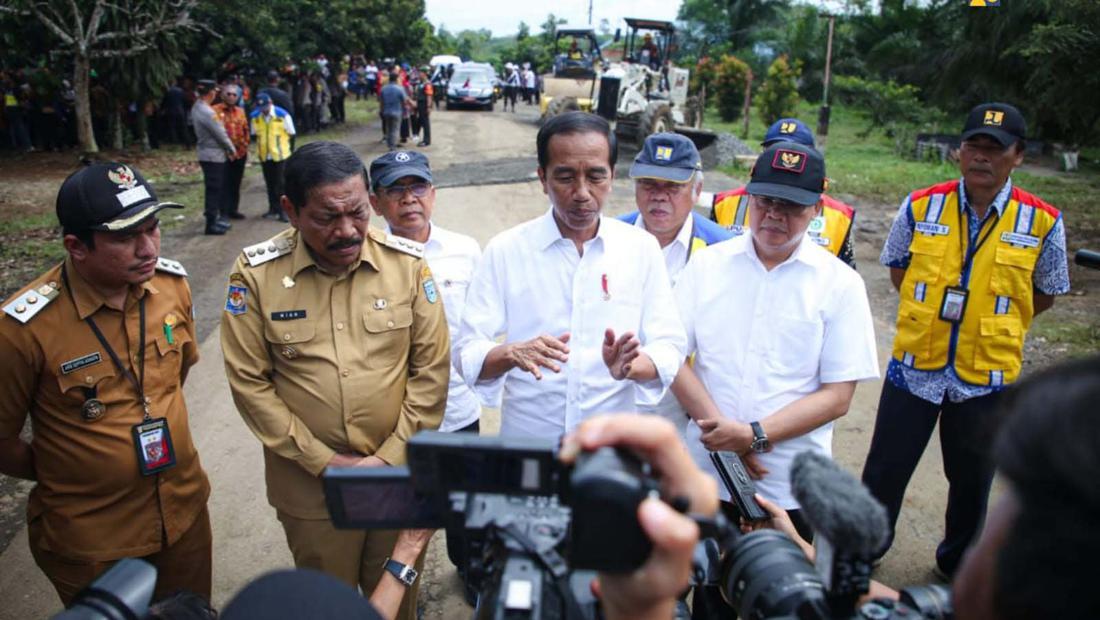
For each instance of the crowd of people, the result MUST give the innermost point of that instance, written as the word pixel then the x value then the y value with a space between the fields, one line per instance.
pixel 341 341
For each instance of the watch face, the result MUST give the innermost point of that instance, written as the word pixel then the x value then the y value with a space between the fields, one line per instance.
pixel 409 575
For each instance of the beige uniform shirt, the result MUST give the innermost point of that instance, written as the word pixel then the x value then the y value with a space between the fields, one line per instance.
pixel 90 502
pixel 322 363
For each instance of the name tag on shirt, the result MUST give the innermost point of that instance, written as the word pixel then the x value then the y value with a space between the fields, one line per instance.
pixel 80 362
pixel 932 228
pixel 1020 239
pixel 288 315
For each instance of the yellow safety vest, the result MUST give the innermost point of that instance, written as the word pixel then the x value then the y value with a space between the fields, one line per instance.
pixel 272 139
pixel 986 346
pixel 731 211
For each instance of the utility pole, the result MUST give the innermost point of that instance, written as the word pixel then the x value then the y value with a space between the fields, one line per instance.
pixel 589 12
pixel 823 115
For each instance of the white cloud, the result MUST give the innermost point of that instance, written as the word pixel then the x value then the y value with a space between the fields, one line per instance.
pixel 502 17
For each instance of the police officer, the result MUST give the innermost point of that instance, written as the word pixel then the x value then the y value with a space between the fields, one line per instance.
pixel 831 230
pixel 668 179
pixel 974 261
pixel 337 352
pixel 96 350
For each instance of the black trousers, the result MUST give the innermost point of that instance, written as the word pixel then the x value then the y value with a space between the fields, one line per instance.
pixel 231 189
pixel 213 180
pixel 903 427
pixel 273 179
pixel 423 113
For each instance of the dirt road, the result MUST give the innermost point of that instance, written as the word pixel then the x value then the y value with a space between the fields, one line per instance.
pixel 485 168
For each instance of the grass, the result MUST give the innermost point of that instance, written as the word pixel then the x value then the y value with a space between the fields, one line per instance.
pixel 1076 338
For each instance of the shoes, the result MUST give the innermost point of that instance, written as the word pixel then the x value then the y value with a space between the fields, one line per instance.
pixel 236 216
pixel 424 144
pixel 214 229
pixel 271 215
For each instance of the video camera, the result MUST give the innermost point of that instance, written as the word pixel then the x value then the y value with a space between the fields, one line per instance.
pixel 533 529
pixel 764 574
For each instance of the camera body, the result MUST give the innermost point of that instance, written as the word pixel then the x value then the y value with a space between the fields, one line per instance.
pixel 531 530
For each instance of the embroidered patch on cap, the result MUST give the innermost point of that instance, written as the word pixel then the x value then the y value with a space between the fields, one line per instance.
pixel 789 161
pixel 788 127
pixel 993 118
pixel 664 153
pixel 401 157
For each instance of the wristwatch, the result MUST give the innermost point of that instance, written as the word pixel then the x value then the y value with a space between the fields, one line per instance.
pixel 404 573
pixel 760 443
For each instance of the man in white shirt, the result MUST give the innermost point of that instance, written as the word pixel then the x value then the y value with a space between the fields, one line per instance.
pixel 583 302
pixel 770 385
pixel 668 178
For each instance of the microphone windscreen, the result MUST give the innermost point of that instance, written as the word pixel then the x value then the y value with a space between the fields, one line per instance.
pixel 837 506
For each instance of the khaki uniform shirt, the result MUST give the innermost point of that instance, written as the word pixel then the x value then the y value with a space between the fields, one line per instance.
pixel 91 503
pixel 321 363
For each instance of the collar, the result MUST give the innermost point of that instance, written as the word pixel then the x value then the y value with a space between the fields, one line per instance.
pixel 88 300
pixel 999 201
pixel 437 235
pixel 683 237
pixel 546 231
pixel 748 247
pixel 301 258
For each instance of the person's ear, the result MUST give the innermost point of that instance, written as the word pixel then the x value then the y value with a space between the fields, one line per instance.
pixel 76 248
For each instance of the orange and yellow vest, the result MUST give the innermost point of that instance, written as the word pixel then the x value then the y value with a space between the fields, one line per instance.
pixel 986 346
pixel 731 211
pixel 272 138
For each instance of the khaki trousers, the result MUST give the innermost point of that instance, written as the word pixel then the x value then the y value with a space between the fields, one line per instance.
pixel 352 556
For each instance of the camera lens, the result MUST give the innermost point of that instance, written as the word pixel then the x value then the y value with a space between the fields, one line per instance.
pixel 765 574
pixel 932 601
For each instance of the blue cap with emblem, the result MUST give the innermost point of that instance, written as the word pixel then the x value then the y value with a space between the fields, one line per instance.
pixel 667 157
pixel 390 167
pixel 788 130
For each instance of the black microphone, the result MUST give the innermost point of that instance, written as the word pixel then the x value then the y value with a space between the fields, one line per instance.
pixel 1087 258
pixel 837 506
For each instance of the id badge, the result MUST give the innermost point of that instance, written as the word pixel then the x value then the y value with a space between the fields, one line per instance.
pixel 954 304
pixel 153 444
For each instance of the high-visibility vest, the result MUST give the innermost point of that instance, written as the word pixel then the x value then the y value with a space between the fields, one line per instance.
pixel 272 139
pixel 731 211
pixel 986 346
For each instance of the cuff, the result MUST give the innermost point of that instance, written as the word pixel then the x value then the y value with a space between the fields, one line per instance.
pixel 392 451
pixel 667 360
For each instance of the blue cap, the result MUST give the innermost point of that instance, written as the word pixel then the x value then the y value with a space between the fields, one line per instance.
pixel 667 157
pixel 389 168
pixel 263 99
pixel 789 130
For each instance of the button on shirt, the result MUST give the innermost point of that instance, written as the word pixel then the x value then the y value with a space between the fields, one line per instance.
pixel 1051 277
pixel 532 281
pixel 453 259
pixel 804 323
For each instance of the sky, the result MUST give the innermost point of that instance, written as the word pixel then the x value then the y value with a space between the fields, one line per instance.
pixel 503 16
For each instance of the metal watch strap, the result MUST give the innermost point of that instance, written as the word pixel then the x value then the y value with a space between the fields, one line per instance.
pixel 403 572
pixel 759 438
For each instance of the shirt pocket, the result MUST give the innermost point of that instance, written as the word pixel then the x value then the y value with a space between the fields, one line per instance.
pixel 926 262
pixel 387 342
pixel 1000 344
pixel 1012 270
pixel 290 341
pixel 795 346
pixel 165 360
pixel 76 387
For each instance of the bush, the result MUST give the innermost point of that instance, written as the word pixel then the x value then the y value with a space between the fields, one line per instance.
pixel 778 96
pixel 725 79
pixel 892 108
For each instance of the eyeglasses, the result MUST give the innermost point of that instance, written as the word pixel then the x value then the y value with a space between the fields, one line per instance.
pixel 397 192
pixel 779 207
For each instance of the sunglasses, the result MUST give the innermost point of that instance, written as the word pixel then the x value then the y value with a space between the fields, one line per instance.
pixel 396 192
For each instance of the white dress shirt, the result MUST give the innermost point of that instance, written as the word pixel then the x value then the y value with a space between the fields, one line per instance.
pixel 453 257
pixel 676 253
pixel 532 281
pixel 764 339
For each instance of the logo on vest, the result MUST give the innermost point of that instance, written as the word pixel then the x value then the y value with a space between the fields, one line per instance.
pixel 932 228
pixel 985 3
pixel 817 225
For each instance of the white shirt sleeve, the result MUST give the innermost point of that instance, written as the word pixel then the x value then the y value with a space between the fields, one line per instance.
pixel 662 334
pixel 849 352
pixel 484 318
pixel 288 124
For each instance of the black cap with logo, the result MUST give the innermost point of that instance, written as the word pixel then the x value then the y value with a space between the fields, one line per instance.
pixel 789 171
pixel 1000 121
pixel 107 196
pixel 387 169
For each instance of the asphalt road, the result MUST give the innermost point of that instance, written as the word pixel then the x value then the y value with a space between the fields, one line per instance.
pixel 485 168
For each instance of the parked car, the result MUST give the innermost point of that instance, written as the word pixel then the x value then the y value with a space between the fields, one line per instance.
pixel 472 86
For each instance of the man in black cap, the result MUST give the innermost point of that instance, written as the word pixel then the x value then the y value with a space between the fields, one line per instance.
pixel 974 261
pixel 801 337
pixel 96 351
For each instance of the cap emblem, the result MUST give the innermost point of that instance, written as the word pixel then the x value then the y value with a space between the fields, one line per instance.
pixel 787 127
pixel 402 157
pixel 993 118
pixel 123 177
pixel 664 153
pixel 789 161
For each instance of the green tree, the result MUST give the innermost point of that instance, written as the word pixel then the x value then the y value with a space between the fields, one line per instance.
pixel 550 28
pixel 778 96
pixel 731 75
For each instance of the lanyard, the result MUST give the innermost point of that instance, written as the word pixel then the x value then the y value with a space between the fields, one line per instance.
pixel 137 382
pixel 968 256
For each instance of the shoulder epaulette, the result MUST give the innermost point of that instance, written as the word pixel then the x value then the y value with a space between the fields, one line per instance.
pixel 171 266
pixel 400 244
pixel 268 250
pixel 31 302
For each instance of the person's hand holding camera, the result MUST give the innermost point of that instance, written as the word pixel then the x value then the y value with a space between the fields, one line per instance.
pixel 651 591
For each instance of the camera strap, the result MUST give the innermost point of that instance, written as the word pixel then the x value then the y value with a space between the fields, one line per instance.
pixel 556 566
